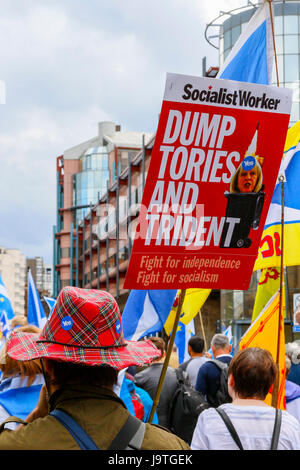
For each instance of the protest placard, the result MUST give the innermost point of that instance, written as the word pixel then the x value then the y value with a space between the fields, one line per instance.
pixel 210 181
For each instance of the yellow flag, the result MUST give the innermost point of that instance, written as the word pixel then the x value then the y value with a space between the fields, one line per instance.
pixel 268 285
pixel 193 301
pixel 264 333
pixel 269 253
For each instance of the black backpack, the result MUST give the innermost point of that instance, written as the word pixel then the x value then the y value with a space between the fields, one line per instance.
pixel 185 407
pixel 222 395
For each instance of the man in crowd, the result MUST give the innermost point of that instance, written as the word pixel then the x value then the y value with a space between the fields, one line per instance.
pixel 148 380
pixel 81 349
pixel 208 378
pixel 198 358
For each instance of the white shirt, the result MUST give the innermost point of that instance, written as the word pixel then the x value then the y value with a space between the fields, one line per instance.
pixel 254 425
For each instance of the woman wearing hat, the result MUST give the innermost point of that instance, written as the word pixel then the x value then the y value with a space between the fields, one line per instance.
pixel 81 349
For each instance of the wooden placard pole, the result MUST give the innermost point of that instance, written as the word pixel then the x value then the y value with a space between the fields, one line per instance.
pixel 275 391
pixel 274 45
pixel 168 355
pixel 281 179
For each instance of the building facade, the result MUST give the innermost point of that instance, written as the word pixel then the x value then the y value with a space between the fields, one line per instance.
pixel 236 306
pixel 89 190
pixel 42 275
pixel 12 270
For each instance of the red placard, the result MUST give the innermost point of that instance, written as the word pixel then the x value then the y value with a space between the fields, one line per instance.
pixel 211 177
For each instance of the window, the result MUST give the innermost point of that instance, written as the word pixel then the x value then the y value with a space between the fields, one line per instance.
pixel 291 44
pixel 235 33
pixel 278 24
pixel 291 69
pixel 279 44
pixel 290 24
pixel 227 40
pixel 65 252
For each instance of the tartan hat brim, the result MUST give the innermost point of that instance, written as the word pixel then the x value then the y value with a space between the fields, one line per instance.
pixel 27 346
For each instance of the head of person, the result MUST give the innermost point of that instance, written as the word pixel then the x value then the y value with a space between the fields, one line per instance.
pixel 195 345
pixel 81 342
pixel 292 350
pixel 18 320
pixel 251 373
pixel 11 367
pixel 220 345
pixel 161 346
pixel 247 181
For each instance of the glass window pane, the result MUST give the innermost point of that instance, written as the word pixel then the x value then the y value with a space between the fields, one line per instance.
pixel 280 69
pixel 291 69
pixel 291 24
pixel 278 25
pixel 227 40
pixel 295 112
pixel 235 33
pixel 226 54
pixel 279 44
pixel 291 44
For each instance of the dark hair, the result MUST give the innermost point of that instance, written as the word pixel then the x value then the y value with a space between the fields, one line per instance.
pixel 253 371
pixel 196 343
pixel 159 343
pixel 68 373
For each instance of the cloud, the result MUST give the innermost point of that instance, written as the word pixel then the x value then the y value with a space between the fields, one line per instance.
pixel 67 67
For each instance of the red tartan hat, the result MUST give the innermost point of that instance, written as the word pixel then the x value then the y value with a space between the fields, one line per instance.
pixel 85 327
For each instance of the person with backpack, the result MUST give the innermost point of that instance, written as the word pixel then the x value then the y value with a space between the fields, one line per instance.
pixel 81 349
pixel 148 380
pixel 212 376
pixel 247 423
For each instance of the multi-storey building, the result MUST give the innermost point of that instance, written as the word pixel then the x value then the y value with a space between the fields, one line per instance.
pixel 12 270
pixel 88 185
pixel 42 275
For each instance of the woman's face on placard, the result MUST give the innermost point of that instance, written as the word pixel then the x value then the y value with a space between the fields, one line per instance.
pixel 247 180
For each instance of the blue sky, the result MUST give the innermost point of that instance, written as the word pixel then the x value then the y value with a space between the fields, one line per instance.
pixel 69 64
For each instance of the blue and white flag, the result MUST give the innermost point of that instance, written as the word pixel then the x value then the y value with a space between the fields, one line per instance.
pixel 183 335
pixel 17 398
pixel 6 310
pixel 145 312
pixel 251 58
pixel 36 313
pixel 51 304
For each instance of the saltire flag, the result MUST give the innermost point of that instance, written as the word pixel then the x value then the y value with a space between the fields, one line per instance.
pixel 183 335
pixel 251 58
pixel 268 285
pixel 51 303
pixel 145 312
pixel 263 333
pixel 17 398
pixel 193 301
pixel 6 310
pixel 121 390
pixel 36 313
pixel 269 253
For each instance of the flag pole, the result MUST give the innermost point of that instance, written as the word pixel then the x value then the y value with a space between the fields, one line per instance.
pixel 276 384
pixel 275 391
pixel 168 355
pixel 203 332
pixel 274 45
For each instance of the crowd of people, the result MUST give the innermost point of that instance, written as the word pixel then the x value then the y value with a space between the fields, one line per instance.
pixel 78 384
